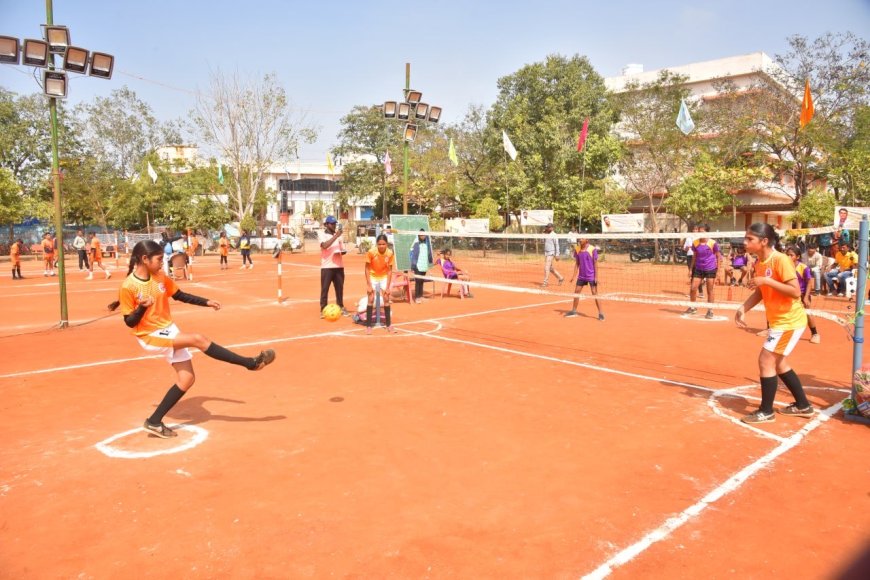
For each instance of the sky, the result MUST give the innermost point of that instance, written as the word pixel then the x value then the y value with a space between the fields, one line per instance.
pixel 331 56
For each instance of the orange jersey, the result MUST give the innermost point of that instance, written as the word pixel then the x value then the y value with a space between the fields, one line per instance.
pixel 380 264
pixel 160 288
pixel 783 312
pixel 96 250
pixel 192 245
pixel 15 254
pixel 47 248
pixel 224 246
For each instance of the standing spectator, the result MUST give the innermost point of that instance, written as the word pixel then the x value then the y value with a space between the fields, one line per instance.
pixel 79 244
pixel 224 249
pixel 421 261
pixel 192 245
pixel 47 255
pixel 841 270
pixel 825 242
pixel 331 263
pixel 97 258
pixel 245 250
pixel 815 262
pixel 15 257
pixel 551 252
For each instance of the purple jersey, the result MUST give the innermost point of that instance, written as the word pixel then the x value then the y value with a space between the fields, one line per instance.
pixel 804 275
pixel 705 255
pixel 739 260
pixel 447 268
pixel 586 259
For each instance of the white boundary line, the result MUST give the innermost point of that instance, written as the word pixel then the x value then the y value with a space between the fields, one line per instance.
pixel 105 446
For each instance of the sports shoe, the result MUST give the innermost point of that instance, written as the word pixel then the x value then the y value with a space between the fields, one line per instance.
pixel 266 357
pixel 793 411
pixel 841 294
pixel 344 312
pixel 759 417
pixel 90 276
pixel 816 338
pixel 709 315
pixel 691 311
pixel 418 301
pixel 243 267
pixel 601 316
pixel 160 430
pixel 571 314
pixel 469 295
pixel 391 330
pixel 368 329
pixel 108 274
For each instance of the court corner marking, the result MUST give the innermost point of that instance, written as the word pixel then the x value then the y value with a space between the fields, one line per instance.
pixel 105 446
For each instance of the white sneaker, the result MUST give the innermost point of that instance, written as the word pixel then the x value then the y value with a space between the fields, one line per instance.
pixel 243 267
pixel 90 276
pixel 250 266
pixel 108 274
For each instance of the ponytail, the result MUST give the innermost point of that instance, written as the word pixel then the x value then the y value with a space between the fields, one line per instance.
pixel 766 231
pixel 143 249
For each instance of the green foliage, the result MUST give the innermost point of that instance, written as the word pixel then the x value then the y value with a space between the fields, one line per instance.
pixel 317 209
pixel 816 208
pixel 603 197
pixel 248 223
pixel 488 208
pixel 11 199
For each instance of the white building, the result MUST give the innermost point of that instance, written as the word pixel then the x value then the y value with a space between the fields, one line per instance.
pixel 766 202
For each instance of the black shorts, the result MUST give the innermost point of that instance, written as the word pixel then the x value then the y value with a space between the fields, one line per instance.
pixel 591 283
pixel 704 274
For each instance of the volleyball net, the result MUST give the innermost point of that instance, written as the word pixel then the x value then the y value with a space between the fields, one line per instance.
pixel 634 268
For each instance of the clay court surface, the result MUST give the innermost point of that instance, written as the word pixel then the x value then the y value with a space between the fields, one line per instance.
pixel 488 438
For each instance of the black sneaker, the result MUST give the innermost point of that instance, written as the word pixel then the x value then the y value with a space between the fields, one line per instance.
pixel 691 311
pixel 159 430
pixel 601 316
pixel 793 411
pixel 571 314
pixel 709 315
pixel 263 359
pixel 759 417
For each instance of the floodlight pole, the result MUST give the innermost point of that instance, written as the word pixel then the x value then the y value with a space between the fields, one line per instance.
pixel 55 173
pixel 405 144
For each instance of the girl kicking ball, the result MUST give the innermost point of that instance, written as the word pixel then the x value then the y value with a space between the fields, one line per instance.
pixel 144 300
pixel 775 283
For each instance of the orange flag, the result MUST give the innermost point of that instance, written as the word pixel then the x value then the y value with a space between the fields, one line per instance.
pixel 807 109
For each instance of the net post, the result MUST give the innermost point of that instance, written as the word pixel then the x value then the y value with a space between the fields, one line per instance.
pixel 860 298
pixel 280 257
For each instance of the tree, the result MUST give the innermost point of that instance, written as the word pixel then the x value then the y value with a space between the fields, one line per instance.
pixel 488 209
pixel 542 107
pixel 657 154
pixel 11 201
pixel 816 208
pixel 120 130
pixel 251 125
pixel 602 197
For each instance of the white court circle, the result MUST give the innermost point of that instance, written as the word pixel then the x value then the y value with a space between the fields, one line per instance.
pixel 357 332
pixel 105 446
pixel 701 318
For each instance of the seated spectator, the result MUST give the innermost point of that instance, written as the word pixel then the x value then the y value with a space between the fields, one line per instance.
pixel 844 261
pixel 739 263
pixel 815 262
pixel 452 272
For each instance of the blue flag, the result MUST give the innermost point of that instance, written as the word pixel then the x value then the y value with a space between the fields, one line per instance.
pixel 684 119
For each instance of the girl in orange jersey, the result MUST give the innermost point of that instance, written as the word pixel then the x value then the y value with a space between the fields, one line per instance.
pixel 47 255
pixel 97 258
pixel 15 257
pixel 379 275
pixel 224 247
pixel 775 283
pixel 144 300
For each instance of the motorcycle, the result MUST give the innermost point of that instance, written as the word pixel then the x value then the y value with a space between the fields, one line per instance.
pixel 637 252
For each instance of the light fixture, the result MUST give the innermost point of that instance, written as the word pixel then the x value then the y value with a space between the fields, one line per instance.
pixel 390 109
pixel 413 97
pixel 421 110
pixel 35 53
pixel 9 53
pixel 434 114
pixel 75 59
pixel 410 132
pixel 57 38
pixel 404 111
pixel 102 65
pixel 54 84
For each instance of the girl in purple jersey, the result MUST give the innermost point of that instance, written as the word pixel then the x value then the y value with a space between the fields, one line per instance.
pixel 586 274
pixel 805 279
pixel 706 260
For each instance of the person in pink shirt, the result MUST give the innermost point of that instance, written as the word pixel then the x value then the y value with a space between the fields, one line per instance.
pixel 331 263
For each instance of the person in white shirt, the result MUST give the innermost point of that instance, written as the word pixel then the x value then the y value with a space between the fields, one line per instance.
pixel 331 263
pixel 79 244
pixel 816 263
pixel 551 252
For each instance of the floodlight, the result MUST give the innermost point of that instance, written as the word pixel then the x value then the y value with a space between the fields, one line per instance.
pixel 102 65
pixel 413 97
pixel 35 53
pixel 434 114
pixel 75 59
pixel 421 110
pixel 390 109
pixel 404 111
pixel 57 38
pixel 9 53
pixel 54 84
pixel 410 132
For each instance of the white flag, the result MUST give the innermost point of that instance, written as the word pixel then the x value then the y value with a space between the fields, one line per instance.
pixel 508 146
pixel 151 173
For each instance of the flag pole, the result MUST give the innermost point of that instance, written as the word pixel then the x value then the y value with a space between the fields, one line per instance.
pixel 582 182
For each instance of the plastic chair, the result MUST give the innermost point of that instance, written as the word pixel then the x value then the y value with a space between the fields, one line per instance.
pixel 447 284
pixel 401 283
pixel 852 284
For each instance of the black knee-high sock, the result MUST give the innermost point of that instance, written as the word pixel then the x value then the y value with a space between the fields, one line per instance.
pixel 793 383
pixel 19 271
pixel 172 396
pixel 768 394
pixel 370 321
pixel 14 274
pixel 387 317
pixel 218 352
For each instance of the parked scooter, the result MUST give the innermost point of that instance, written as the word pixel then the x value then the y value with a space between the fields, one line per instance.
pixel 637 252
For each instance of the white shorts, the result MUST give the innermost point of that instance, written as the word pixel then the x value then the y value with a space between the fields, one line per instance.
pixel 378 284
pixel 160 342
pixel 782 341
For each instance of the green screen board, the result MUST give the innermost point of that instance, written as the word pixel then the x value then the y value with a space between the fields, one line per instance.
pixel 402 242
